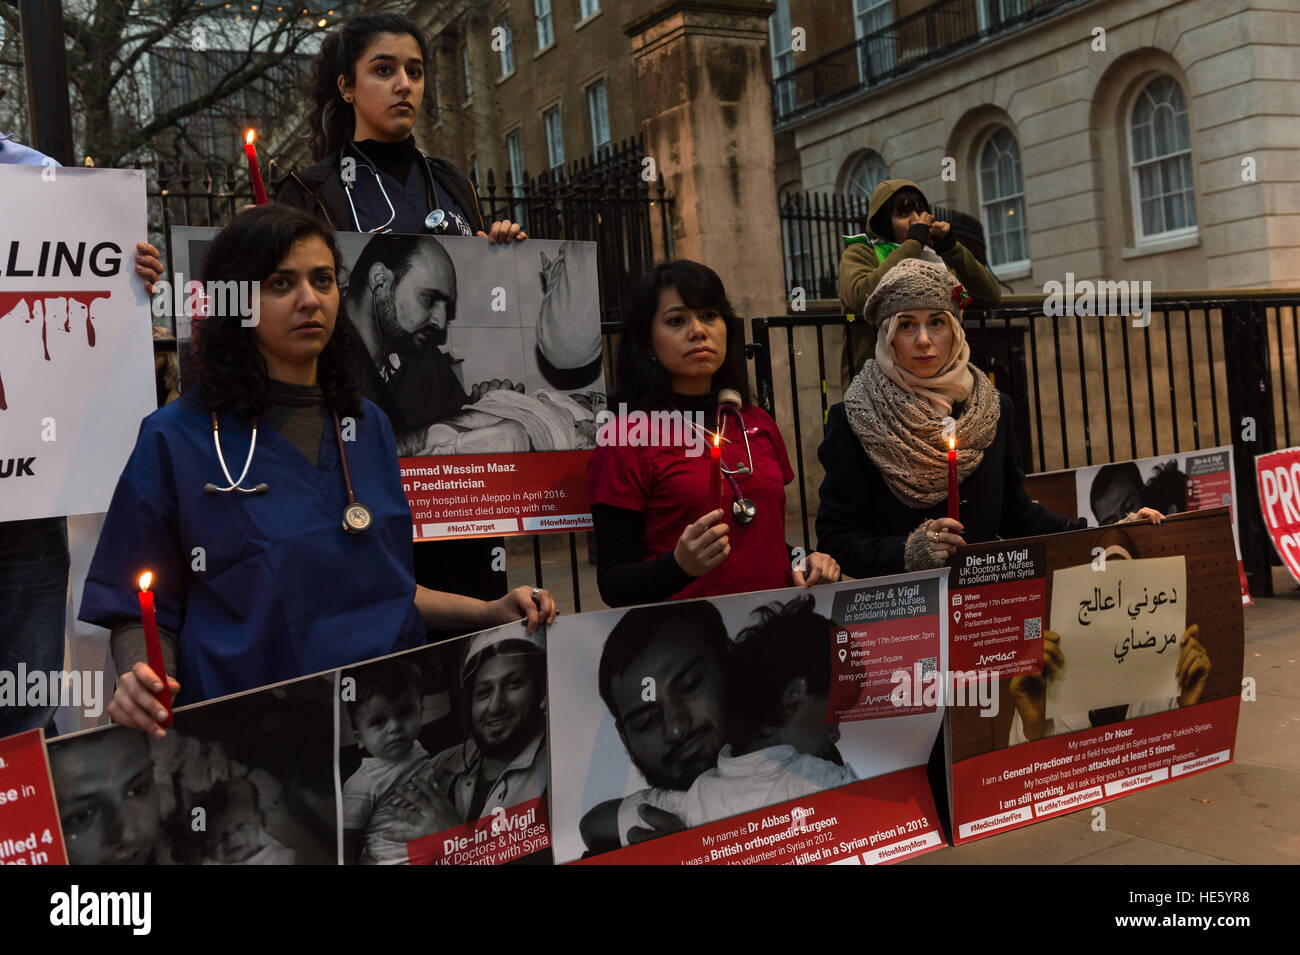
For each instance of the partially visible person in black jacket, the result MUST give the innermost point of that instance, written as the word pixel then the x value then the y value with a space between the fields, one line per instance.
pixel 884 498
pixel 366 91
pixel 367 88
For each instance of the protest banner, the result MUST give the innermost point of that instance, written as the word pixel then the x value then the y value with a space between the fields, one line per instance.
pixel 1170 483
pixel 486 359
pixel 1138 673
pixel 74 328
pixel 378 763
pixel 777 727
pixel 1278 476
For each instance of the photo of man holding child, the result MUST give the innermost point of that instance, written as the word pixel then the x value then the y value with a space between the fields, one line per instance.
pixel 680 714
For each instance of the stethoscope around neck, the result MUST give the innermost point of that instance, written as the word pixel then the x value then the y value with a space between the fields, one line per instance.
pixel 436 221
pixel 356 517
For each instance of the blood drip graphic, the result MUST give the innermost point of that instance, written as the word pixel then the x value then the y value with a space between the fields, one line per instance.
pixel 11 300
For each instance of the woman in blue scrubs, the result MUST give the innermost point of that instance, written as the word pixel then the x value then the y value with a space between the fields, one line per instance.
pixel 283 575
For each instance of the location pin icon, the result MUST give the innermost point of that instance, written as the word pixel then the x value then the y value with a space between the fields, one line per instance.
pixel 843 653
pixel 956 615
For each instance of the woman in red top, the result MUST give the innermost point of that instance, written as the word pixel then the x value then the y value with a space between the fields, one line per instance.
pixel 658 537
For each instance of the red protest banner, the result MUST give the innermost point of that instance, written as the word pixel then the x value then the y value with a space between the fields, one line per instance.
pixel 1278 477
pixel 29 822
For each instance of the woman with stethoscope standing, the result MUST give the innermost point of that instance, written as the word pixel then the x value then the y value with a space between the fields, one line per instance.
pixel 658 536
pixel 366 91
pixel 267 501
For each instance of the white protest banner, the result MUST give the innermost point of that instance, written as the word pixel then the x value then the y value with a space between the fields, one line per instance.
pixel 1278 475
pixel 76 347
pixel 1119 628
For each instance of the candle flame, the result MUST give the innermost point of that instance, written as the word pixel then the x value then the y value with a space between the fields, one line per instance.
pixel 716 438
pixel 952 442
pixel 250 136
pixel 145 580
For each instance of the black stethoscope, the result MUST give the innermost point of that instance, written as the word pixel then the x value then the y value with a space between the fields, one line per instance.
pixel 436 221
pixel 356 517
pixel 743 508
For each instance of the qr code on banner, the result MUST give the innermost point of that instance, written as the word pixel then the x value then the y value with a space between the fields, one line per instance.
pixel 929 667
pixel 1033 628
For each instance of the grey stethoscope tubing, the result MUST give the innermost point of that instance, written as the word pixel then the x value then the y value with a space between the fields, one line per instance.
pixel 743 508
pixel 435 221
pixel 234 485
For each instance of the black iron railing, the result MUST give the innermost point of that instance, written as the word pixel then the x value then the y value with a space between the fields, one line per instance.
pixel 1210 369
pixel 813 226
pixel 912 43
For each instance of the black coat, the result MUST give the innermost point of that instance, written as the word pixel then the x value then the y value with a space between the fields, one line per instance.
pixel 864 527
pixel 319 190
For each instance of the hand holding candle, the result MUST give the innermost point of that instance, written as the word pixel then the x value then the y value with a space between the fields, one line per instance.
pixel 153 646
pixel 254 171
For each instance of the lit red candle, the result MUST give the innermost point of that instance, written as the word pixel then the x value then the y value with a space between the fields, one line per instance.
pixel 715 474
pixel 254 171
pixel 153 646
pixel 953 498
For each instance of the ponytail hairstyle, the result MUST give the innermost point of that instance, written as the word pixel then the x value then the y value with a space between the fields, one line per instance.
pixel 331 121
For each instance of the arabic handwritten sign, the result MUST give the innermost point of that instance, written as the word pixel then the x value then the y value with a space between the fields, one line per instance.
pixel 1119 631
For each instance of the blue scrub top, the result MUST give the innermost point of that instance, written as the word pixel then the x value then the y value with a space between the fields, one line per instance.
pixel 279 589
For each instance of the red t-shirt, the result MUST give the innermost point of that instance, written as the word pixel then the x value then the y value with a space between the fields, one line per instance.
pixel 672 490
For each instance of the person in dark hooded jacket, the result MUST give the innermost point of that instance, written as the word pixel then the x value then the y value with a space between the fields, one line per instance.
pixel 899 226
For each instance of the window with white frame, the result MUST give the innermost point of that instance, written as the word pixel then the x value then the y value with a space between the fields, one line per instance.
pixel 598 108
pixel 1160 160
pixel 994 14
pixel 867 172
pixel 1002 200
pixel 464 62
pixel 507 46
pixel 588 8
pixel 554 140
pixel 782 44
pixel 515 152
pixel 545 26
pixel 876 56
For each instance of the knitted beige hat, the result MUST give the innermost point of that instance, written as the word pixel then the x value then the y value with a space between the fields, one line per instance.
pixel 915 284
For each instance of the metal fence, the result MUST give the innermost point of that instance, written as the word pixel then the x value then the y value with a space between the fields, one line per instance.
pixel 1211 368
pixel 813 226
pixel 603 198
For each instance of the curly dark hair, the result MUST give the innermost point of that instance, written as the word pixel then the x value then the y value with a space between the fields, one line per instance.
pixel 230 369
pixel 331 121
pixel 641 382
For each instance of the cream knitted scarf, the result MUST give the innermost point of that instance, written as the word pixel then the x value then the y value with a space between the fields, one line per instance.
pixel 902 433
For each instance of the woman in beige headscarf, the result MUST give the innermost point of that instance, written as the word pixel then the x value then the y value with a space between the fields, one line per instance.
pixel 884 497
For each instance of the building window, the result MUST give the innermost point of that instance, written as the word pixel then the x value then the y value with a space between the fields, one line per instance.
pixel 876 49
pixel 515 150
pixel 598 107
pixel 588 8
pixel 1002 199
pixel 996 14
pixel 464 62
pixel 507 41
pixel 545 28
pixel 1160 160
pixel 554 140
pixel 867 172
pixel 782 41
